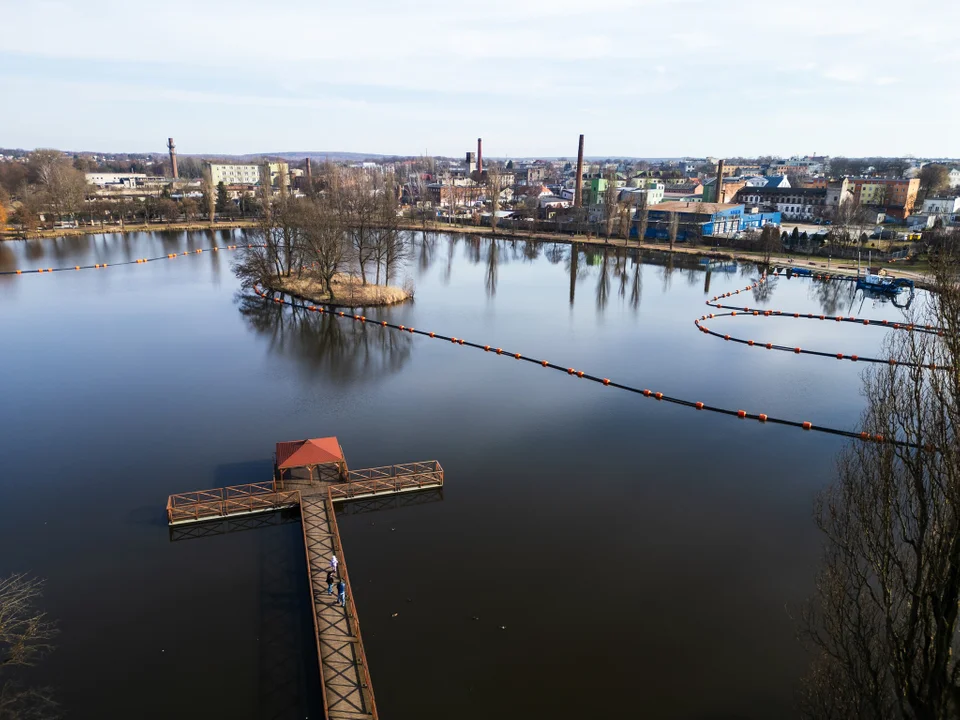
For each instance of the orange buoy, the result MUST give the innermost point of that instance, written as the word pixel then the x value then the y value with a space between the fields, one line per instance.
pixel 807 425
pixel 741 413
pixel 698 406
pixel 866 322
pixel 580 373
pixel 356 317
pixel 761 417
pixel 766 313
pixel 544 363
pixel 453 340
pixel 854 357
pixel 77 267
pixel 486 348
pixel 658 396
pixel 726 337
pixel 646 393
pixel 570 371
pixel 769 346
pixel 864 436
pixel 839 318
pixel 431 334
pixel 892 361
pixel 796 350
pixel 606 381
pixel 896 326
pixel 401 327
pixel 822 317
pixel 932 366
pixel 878 438
pixel 733 314
pixel 517 356
pixel 383 323
pixel 750 343
pixel 796 315
pixel 19 272
pixel 755 313
pixel 311 308
pixel 499 351
pixel 839 356
pixel 341 315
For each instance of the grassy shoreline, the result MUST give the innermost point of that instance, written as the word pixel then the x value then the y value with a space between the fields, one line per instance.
pixel 190 225
pixel 348 291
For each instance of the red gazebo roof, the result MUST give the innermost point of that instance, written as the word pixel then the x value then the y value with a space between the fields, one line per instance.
pixel 301 453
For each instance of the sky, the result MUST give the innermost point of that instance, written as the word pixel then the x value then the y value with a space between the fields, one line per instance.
pixel 640 78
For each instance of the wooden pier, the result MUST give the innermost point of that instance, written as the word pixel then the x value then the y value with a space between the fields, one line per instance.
pixel 344 673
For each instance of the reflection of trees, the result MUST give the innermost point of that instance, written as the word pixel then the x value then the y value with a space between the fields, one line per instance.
pixel 531 250
pixel 493 261
pixel 603 283
pixel 667 272
pixel 342 350
pixel 832 295
pixel 555 253
pixel 764 290
pixel 636 288
pixel 427 247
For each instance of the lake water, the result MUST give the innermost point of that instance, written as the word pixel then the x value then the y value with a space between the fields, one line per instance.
pixel 594 553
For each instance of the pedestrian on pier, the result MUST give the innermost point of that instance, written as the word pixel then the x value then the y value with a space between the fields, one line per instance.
pixel 330 581
pixel 342 593
pixel 333 563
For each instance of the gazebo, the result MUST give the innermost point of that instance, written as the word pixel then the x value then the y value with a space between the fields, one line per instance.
pixel 321 457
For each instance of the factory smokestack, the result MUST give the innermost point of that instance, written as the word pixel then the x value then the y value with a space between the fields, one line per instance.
pixel 480 156
pixel 719 182
pixel 307 171
pixel 578 194
pixel 173 158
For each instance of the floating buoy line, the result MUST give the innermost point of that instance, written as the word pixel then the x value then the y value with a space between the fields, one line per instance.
pixel 714 302
pixel 738 311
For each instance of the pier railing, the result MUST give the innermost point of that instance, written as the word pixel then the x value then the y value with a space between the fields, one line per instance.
pixel 389 478
pixel 229 501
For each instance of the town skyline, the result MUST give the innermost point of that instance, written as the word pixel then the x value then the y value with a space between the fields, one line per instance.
pixel 639 79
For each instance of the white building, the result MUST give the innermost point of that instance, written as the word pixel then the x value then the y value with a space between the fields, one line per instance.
pixel 236 174
pixel 954 178
pixel 106 179
pixel 941 205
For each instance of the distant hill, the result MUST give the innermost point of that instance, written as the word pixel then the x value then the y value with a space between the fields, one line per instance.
pixel 334 155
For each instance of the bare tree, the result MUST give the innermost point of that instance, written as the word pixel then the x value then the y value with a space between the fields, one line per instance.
pixel 610 204
pixel 324 248
pixel 494 189
pixel 209 193
pixel 643 213
pixel 64 185
pixel 673 228
pixel 883 622
pixel 26 634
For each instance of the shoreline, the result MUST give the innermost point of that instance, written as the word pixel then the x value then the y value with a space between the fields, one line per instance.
pixel 187 225
pixel 838 267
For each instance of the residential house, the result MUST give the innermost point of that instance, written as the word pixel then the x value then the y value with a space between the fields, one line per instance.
pixel 896 196
pixel 942 205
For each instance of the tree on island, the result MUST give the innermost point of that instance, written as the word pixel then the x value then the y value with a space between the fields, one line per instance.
pixel 26 634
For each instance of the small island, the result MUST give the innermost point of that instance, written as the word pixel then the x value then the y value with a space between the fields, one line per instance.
pixel 345 291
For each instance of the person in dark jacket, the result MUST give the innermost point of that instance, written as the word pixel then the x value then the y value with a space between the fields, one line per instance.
pixel 342 592
pixel 329 582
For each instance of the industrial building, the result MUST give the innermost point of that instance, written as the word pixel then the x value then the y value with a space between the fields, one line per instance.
pixel 237 174
pixel 701 219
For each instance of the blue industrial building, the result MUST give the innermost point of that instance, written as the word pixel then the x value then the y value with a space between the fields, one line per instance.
pixel 697 220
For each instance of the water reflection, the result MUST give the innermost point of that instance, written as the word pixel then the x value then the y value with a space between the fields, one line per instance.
pixel 327 347
pixel 493 260
pixel 603 283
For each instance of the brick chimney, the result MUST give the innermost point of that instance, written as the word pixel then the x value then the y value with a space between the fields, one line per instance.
pixel 720 193
pixel 578 193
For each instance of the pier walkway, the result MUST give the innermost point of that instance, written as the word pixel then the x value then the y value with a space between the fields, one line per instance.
pixel 344 672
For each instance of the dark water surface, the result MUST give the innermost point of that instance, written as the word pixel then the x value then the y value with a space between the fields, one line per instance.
pixel 595 553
